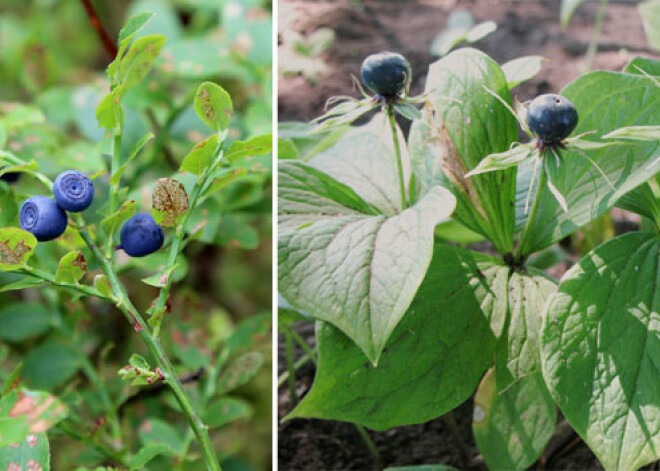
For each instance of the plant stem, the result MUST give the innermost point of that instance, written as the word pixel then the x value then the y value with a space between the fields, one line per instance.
pixel 308 350
pixel 288 338
pixel 296 366
pixel 81 289
pixel 371 446
pixel 114 187
pixel 523 246
pixel 153 344
pixel 595 35
pixel 397 151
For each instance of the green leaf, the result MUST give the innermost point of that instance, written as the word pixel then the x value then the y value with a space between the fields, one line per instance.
pixel 641 65
pixel 111 223
pixel 360 272
pixel 249 332
pixel 72 268
pixel 24 412
pixel 522 69
pixel 25 282
pixel 512 428
pixel 148 453
pixel 49 365
pixel 160 279
pixel 434 359
pixel 260 145
pixel 154 431
pixel 650 13
pixel 139 145
pixel 587 192
pixel 139 59
pixel 226 410
pixel 200 157
pixel 32 453
pixel 600 347
pixel 109 112
pixel 21 321
pixel 641 201
pixel 407 110
pixel 240 371
pixel 16 248
pixel 501 161
pixel 132 26
pixel 12 380
pixel 518 350
pixel 567 9
pixel 102 284
pixel 213 105
pixel 21 115
pixel 200 58
pixel 462 124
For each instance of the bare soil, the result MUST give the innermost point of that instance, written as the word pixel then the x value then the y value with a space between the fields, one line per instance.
pixel 525 27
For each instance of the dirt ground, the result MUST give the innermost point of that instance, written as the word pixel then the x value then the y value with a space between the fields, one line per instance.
pixel 525 27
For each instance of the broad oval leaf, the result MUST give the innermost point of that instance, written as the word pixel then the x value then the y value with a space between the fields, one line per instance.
pixel 512 428
pixel 21 321
pixel 605 101
pixel 600 346
pixel 32 453
pixel 16 248
pixel 433 361
pixel 49 365
pixel 24 412
pixel 360 272
pixel 213 105
pixel 461 124
pixel 169 202
pixel 200 157
pixel 139 59
pixel 521 69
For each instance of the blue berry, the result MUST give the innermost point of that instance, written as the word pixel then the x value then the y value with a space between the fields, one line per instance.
pixel 551 118
pixel 42 217
pixel 73 191
pixel 141 236
pixel 386 73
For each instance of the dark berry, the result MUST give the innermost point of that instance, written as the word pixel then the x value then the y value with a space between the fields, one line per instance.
pixel 551 118
pixel 73 191
pixel 141 236
pixel 43 217
pixel 386 73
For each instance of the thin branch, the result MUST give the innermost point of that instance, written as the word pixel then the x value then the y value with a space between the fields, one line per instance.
pixel 108 44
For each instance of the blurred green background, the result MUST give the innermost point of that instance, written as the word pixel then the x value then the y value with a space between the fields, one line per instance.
pixel 52 76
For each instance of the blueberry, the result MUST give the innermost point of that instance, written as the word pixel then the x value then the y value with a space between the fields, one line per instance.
pixel 551 118
pixel 43 217
pixel 73 191
pixel 141 236
pixel 386 73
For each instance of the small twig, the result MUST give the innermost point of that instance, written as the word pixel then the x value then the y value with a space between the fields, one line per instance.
pixel 108 44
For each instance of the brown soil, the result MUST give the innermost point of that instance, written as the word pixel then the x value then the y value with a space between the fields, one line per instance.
pixel 525 27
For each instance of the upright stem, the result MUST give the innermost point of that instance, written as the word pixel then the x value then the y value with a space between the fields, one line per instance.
pixel 114 187
pixel 397 151
pixel 595 35
pixel 288 339
pixel 371 446
pixel 522 248
pixel 153 344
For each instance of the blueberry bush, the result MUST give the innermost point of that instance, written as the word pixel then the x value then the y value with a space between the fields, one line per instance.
pixel 135 175
pixel 411 323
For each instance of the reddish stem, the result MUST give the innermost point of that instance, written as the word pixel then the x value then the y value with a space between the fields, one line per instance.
pixel 108 43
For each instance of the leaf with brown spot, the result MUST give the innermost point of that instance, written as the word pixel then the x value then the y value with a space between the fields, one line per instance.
pixel 214 106
pixel 169 202
pixel 24 413
pixel 16 247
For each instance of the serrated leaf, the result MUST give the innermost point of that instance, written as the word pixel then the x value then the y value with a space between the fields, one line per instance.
pixel 72 268
pixel 599 350
pixel 522 69
pixel 512 428
pixel 260 145
pixel 200 157
pixel 169 202
pixel 434 359
pixel 111 223
pixel 139 59
pixel 16 248
pixel 213 105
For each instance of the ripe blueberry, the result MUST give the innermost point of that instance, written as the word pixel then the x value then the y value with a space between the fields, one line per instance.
pixel 551 118
pixel 386 73
pixel 73 191
pixel 141 236
pixel 42 217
